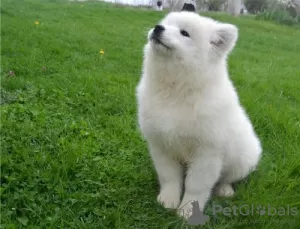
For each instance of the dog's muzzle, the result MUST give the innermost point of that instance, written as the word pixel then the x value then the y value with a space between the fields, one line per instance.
pixel 158 29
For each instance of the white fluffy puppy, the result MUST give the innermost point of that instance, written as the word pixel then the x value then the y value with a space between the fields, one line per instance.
pixel 189 111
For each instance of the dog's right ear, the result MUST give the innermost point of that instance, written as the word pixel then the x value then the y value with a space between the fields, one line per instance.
pixel 224 37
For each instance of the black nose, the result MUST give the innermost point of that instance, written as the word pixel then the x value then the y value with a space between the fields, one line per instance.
pixel 158 29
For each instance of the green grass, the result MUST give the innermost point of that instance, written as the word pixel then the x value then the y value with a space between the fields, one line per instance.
pixel 71 154
pixel 279 16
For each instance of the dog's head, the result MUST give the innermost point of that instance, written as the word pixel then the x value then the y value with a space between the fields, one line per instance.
pixel 189 36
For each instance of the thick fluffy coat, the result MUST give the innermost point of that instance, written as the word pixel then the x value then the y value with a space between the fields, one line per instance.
pixel 189 111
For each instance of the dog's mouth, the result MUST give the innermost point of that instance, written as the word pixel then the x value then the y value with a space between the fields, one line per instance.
pixel 156 40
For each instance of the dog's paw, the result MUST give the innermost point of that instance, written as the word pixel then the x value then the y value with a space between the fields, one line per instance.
pixel 185 211
pixel 169 198
pixel 224 190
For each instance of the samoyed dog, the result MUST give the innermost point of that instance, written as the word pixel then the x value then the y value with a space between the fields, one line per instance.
pixel 198 134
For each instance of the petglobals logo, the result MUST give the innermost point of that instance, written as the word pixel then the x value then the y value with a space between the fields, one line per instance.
pixel 199 218
pixel 248 210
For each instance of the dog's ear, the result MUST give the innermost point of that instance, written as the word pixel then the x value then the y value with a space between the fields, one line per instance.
pixel 224 37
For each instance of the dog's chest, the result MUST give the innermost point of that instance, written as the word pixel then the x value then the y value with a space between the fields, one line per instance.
pixel 171 122
pixel 176 128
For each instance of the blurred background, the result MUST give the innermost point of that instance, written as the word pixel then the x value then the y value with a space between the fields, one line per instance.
pixel 286 11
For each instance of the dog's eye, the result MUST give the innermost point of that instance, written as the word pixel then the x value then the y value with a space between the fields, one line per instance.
pixel 184 33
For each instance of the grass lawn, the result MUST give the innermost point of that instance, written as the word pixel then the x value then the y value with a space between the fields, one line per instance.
pixel 71 153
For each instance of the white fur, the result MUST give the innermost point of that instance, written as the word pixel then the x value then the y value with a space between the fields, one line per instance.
pixel 190 114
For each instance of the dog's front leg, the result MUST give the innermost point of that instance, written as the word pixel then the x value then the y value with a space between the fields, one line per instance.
pixel 202 174
pixel 170 175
